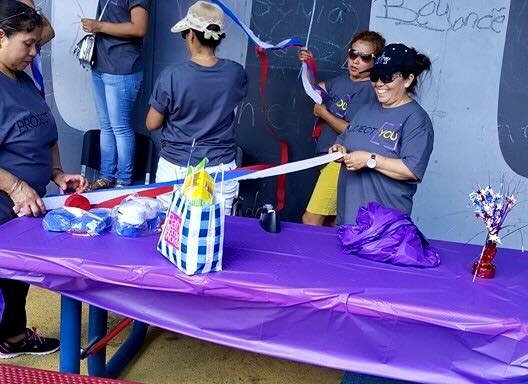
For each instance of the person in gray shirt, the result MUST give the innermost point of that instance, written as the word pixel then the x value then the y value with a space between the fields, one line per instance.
pixel 117 76
pixel 387 145
pixel 346 94
pixel 194 102
pixel 29 159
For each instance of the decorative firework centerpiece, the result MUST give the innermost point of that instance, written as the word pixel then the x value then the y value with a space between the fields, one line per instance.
pixel 492 207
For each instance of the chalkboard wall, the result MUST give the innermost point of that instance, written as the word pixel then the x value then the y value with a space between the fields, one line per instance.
pixel 513 111
pixel 287 110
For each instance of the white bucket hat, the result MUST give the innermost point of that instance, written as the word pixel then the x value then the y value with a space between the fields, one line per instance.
pixel 199 16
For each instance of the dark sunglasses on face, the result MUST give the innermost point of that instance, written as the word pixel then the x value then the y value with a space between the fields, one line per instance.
pixel 385 79
pixel 365 57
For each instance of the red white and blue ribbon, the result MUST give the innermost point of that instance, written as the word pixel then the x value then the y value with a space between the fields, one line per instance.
pixel 309 82
pixel 111 197
pixel 261 47
pixel 287 43
pixel 314 91
pixel 36 70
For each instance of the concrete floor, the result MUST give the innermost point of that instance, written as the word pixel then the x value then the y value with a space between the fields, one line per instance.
pixel 172 358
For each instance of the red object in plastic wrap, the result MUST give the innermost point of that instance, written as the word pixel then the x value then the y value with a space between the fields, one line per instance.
pixel 77 201
pixel 484 267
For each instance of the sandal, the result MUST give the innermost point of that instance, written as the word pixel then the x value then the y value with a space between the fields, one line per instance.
pixel 100 184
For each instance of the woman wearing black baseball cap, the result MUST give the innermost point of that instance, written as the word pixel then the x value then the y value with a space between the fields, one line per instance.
pixel 387 145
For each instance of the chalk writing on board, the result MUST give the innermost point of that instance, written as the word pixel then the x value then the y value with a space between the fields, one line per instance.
pixel 521 132
pixel 246 107
pixel 441 16
pixel 292 21
pixel 506 129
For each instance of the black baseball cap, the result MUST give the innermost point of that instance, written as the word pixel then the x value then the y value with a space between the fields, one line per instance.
pixel 395 58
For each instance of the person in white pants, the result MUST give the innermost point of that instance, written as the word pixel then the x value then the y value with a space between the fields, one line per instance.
pixel 194 103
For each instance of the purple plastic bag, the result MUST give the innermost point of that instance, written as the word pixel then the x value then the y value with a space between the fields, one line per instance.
pixel 387 235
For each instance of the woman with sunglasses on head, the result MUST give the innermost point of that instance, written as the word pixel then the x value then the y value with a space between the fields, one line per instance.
pixel 47 33
pixel 387 145
pixel 29 159
pixel 194 103
pixel 346 94
pixel 117 76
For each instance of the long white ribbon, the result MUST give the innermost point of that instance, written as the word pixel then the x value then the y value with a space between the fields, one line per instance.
pixel 96 197
pixel 291 167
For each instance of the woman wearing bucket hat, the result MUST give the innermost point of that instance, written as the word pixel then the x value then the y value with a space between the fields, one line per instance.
pixel 387 145
pixel 194 103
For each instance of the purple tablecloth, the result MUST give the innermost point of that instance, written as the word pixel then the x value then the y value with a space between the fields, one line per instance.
pixel 296 295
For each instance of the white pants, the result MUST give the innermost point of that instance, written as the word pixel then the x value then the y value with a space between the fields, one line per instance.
pixel 227 190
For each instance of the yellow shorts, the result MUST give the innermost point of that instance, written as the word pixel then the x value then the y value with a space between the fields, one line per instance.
pixel 324 196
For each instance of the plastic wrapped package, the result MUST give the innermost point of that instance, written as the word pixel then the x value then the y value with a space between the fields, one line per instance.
pixel 78 221
pixel 137 216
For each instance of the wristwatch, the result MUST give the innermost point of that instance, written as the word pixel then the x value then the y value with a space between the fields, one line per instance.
pixel 371 162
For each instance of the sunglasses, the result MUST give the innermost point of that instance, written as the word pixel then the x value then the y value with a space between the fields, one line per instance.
pixel 365 57
pixel 385 79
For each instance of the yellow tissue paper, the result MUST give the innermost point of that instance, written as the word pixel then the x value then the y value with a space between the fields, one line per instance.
pixel 198 186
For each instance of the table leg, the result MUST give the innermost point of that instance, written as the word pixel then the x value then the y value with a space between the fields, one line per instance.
pixel 70 335
pixel 128 350
pixel 97 327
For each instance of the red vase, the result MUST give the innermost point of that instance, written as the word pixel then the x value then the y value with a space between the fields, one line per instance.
pixel 486 268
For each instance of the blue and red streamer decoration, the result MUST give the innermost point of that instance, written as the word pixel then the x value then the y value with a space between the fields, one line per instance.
pixel 261 47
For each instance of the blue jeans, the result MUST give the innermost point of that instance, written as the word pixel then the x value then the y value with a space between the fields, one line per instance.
pixel 114 99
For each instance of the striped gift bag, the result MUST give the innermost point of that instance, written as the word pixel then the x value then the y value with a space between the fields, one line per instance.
pixel 192 237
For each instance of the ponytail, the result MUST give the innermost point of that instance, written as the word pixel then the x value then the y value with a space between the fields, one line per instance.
pixel 422 64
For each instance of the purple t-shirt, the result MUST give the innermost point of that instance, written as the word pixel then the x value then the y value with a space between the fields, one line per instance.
pixel 118 55
pixel 345 98
pixel 27 132
pixel 405 133
pixel 199 103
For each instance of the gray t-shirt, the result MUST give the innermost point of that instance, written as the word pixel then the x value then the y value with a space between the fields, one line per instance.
pixel 406 133
pixel 118 55
pixel 199 103
pixel 345 98
pixel 27 132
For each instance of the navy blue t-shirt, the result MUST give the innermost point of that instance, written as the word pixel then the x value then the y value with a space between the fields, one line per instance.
pixel 405 133
pixel 118 55
pixel 345 98
pixel 199 103
pixel 27 132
